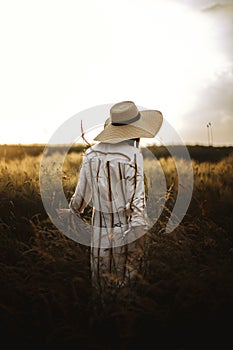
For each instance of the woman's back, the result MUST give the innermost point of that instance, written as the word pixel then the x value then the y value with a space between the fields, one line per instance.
pixel 115 175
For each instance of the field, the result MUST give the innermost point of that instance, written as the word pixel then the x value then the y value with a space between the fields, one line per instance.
pixel 184 299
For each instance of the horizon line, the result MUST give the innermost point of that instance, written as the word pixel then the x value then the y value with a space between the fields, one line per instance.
pixel 80 144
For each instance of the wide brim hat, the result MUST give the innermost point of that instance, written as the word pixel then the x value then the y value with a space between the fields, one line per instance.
pixel 127 122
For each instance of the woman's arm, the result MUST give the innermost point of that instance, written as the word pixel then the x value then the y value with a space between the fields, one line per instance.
pixel 82 194
pixel 135 186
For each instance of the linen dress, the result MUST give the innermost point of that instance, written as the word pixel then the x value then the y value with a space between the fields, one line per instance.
pixel 111 180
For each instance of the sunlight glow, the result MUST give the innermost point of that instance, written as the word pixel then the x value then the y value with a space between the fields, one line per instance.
pixel 174 56
pixel 157 53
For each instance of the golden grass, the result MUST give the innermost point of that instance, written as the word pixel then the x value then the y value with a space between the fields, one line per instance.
pixel 46 293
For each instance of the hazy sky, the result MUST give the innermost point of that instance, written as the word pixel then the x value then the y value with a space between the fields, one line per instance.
pixel 59 57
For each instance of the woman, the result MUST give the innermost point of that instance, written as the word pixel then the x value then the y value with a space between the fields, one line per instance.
pixel 112 180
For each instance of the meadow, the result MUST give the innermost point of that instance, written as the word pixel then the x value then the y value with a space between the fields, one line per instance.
pixel 184 300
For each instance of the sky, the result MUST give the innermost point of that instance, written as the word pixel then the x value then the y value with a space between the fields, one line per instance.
pixel 61 57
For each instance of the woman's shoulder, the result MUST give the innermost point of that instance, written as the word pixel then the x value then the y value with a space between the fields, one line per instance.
pixel 115 148
pixel 121 151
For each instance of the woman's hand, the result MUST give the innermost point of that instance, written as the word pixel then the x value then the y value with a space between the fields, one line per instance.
pixel 139 232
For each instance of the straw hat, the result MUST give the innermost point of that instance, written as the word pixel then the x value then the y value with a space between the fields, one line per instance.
pixel 127 122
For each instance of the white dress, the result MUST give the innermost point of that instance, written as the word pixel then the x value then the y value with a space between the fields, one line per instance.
pixel 111 180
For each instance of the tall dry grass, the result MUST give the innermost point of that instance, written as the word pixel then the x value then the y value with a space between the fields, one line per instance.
pixel 46 298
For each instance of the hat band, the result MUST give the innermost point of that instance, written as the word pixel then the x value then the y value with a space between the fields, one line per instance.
pixel 129 121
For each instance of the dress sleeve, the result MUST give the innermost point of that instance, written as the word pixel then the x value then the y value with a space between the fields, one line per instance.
pixel 136 197
pixel 82 194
